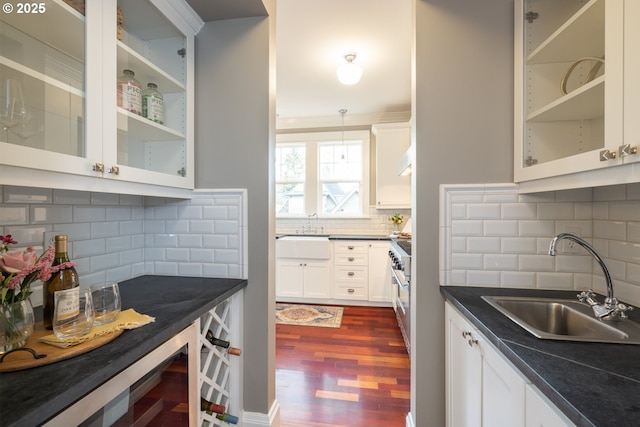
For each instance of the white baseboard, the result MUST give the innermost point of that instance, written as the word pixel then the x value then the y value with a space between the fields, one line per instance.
pixel 409 421
pixel 258 419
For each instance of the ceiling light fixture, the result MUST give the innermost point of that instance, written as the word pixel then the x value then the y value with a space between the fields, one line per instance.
pixel 349 73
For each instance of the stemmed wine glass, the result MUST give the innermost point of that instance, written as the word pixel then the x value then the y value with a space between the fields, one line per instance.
pixel 13 110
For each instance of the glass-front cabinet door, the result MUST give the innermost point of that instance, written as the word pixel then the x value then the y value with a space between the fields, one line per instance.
pixel 569 86
pixel 97 90
pixel 149 85
pixel 43 102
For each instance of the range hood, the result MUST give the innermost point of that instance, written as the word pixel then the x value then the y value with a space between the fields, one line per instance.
pixel 405 164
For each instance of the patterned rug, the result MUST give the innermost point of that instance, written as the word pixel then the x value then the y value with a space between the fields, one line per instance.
pixel 309 315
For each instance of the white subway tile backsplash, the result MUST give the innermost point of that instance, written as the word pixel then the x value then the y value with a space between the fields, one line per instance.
pixel 105 199
pixel 608 217
pixel 50 214
pixel 69 197
pixel 105 229
pixel 89 213
pixel 29 195
pixel 14 214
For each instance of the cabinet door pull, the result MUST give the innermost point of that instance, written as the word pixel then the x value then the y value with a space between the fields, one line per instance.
pixel 351 259
pixel 607 155
pixel 351 290
pixel 114 170
pixel 350 247
pixel 626 150
pixel 98 167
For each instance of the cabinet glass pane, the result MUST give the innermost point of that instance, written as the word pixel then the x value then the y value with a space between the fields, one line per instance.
pixel 559 34
pixel 42 77
pixel 153 49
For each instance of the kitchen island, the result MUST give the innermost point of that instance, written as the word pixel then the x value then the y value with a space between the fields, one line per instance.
pixel 593 384
pixel 33 396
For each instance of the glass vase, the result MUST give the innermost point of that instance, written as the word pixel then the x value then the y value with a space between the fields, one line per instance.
pixel 16 325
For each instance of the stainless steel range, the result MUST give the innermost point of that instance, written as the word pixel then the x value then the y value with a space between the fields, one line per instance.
pixel 400 255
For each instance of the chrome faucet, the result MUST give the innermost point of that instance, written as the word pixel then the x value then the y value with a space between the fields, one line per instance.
pixel 308 228
pixel 611 309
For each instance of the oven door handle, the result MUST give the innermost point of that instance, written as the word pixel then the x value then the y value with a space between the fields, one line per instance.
pixel 403 285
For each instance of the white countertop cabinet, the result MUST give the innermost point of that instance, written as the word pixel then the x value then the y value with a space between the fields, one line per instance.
pixel 576 137
pixel 65 130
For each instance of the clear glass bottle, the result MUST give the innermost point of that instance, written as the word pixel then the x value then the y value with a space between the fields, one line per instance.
pixel 129 92
pixel 153 104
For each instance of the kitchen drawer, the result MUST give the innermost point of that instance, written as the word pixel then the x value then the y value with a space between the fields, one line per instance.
pixel 351 247
pixel 351 259
pixel 350 274
pixel 344 291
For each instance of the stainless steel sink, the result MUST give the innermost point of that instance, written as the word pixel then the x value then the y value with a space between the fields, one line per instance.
pixel 568 320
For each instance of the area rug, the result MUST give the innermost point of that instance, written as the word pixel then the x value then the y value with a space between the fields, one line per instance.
pixel 309 315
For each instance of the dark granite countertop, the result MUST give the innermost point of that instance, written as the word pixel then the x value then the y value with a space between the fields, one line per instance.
pixel 32 396
pixel 340 236
pixel 593 384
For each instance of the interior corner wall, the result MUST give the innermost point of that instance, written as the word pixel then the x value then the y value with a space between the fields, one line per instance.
pixel 463 111
pixel 234 134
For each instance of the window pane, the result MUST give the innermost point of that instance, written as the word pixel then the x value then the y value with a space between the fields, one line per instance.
pixel 341 198
pixel 290 163
pixel 341 161
pixel 290 198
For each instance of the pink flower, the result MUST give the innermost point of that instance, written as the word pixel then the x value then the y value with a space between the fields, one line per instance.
pixel 14 262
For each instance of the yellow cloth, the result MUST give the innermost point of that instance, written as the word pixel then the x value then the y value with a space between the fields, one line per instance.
pixel 127 319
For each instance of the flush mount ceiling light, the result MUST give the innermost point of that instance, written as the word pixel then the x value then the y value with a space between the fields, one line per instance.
pixel 349 73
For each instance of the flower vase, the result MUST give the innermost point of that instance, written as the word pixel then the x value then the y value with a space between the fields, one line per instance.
pixel 16 325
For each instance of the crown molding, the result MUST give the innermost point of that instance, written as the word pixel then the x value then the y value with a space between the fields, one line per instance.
pixel 336 121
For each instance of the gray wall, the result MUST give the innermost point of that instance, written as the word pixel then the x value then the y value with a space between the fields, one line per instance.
pixel 463 112
pixel 235 135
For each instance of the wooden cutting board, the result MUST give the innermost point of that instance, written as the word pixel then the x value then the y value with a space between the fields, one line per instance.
pixel 19 360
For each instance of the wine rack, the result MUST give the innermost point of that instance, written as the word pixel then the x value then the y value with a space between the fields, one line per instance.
pixel 219 377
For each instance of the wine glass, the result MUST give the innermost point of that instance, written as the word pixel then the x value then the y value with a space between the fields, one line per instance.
pixel 13 110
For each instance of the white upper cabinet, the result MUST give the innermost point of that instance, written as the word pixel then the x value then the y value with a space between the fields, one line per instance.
pixel 392 141
pixel 571 72
pixel 61 124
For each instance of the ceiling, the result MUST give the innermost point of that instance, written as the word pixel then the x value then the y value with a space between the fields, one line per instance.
pixel 312 38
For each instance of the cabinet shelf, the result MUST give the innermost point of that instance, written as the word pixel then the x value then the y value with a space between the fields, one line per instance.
pixel 144 129
pixel 146 71
pixel 582 35
pixel 584 103
pixel 62 36
pixel 41 77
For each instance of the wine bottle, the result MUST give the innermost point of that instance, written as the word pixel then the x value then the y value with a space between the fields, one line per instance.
pixel 222 343
pixel 231 419
pixel 207 406
pixel 66 278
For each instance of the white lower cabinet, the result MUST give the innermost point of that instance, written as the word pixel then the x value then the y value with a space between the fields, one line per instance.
pixel 303 278
pixel 483 388
pixel 380 288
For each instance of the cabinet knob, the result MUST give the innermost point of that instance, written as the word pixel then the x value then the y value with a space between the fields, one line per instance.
pixel 607 155
pixel 114 170
pixel 351 273
pixel 351 259
pixel 98 167
pixel 351 290
pixel 472 341
pixel 626 150
pixel 350 247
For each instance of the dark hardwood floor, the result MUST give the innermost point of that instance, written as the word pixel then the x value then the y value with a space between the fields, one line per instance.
pixel 354 376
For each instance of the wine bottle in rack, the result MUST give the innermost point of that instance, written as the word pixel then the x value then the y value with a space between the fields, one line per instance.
pixel 222 343
pixel 231 419
pixel 207 406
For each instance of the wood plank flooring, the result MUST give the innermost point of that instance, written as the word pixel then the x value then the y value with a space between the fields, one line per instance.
pixel 354 376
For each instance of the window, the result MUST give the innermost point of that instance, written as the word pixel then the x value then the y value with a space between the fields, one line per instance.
pixel 320 173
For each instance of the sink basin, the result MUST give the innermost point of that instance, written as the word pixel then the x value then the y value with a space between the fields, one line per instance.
pixel 567 320
pixel 309 247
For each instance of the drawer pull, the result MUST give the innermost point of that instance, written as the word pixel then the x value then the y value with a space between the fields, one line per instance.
pixel 351 273
pixel 351 247
pixel 351 259
pixel 351 290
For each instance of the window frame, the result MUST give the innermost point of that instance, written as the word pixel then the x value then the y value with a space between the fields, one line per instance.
pixel 312 183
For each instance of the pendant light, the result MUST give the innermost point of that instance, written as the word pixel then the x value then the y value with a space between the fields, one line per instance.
pixel 342 112
pixel 349 73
